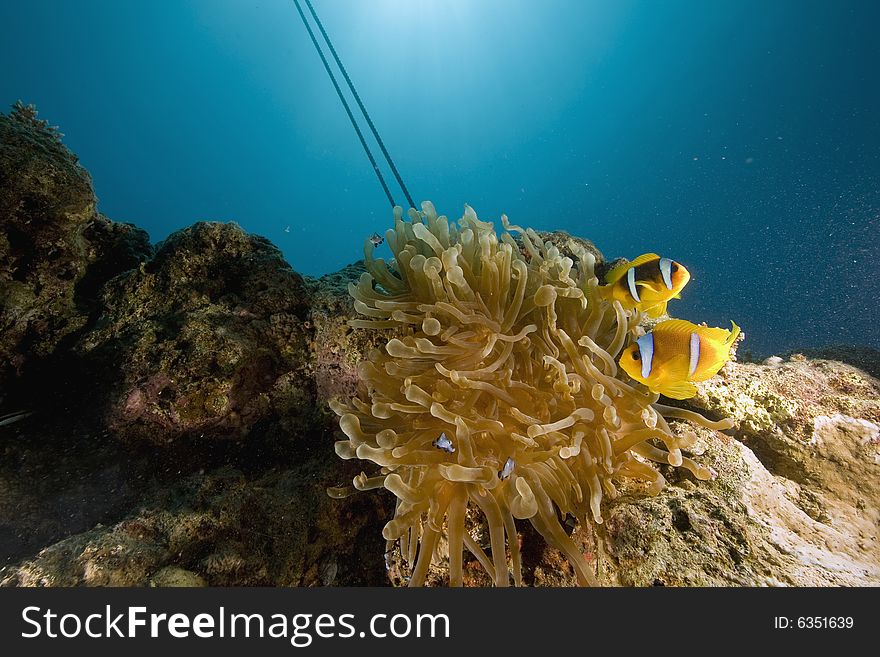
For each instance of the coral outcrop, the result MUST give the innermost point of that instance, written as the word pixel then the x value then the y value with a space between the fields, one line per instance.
pixel 223 529
pixel 336 348
pixel 56 250
pixel 207 340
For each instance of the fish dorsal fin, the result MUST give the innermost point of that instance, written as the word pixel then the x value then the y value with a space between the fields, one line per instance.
pixel 617 272
pixel 683 326
pixel 677 326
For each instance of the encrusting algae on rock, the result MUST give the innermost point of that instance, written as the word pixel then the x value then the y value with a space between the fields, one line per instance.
pixel 498 392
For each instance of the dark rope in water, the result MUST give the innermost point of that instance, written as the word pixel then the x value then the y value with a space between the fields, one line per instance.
pixel 361 105
pixel 345 104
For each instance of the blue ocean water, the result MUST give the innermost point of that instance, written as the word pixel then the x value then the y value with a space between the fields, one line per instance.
pixel 740 137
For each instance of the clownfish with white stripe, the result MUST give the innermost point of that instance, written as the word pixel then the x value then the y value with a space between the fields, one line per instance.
pixel 675 354
pixel 647 283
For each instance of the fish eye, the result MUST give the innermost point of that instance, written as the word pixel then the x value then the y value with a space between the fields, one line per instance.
pixel 636 355
pixel 674 266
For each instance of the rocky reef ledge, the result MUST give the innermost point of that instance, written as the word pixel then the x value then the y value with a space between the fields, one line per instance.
pixel 163 422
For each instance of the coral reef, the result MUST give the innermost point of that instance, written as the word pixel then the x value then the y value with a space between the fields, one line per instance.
pixel 750 526
pixel 187 490
pixel 204 354
pixel 499 392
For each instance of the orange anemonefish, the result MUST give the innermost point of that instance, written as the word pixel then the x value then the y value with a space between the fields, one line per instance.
pixel 676 353
pixel 647 283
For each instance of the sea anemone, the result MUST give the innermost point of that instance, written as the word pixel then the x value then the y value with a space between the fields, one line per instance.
pixel 497 391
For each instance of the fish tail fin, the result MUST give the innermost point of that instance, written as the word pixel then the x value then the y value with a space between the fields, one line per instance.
pixel 616 273
pixel 722 355
pixel 734 333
